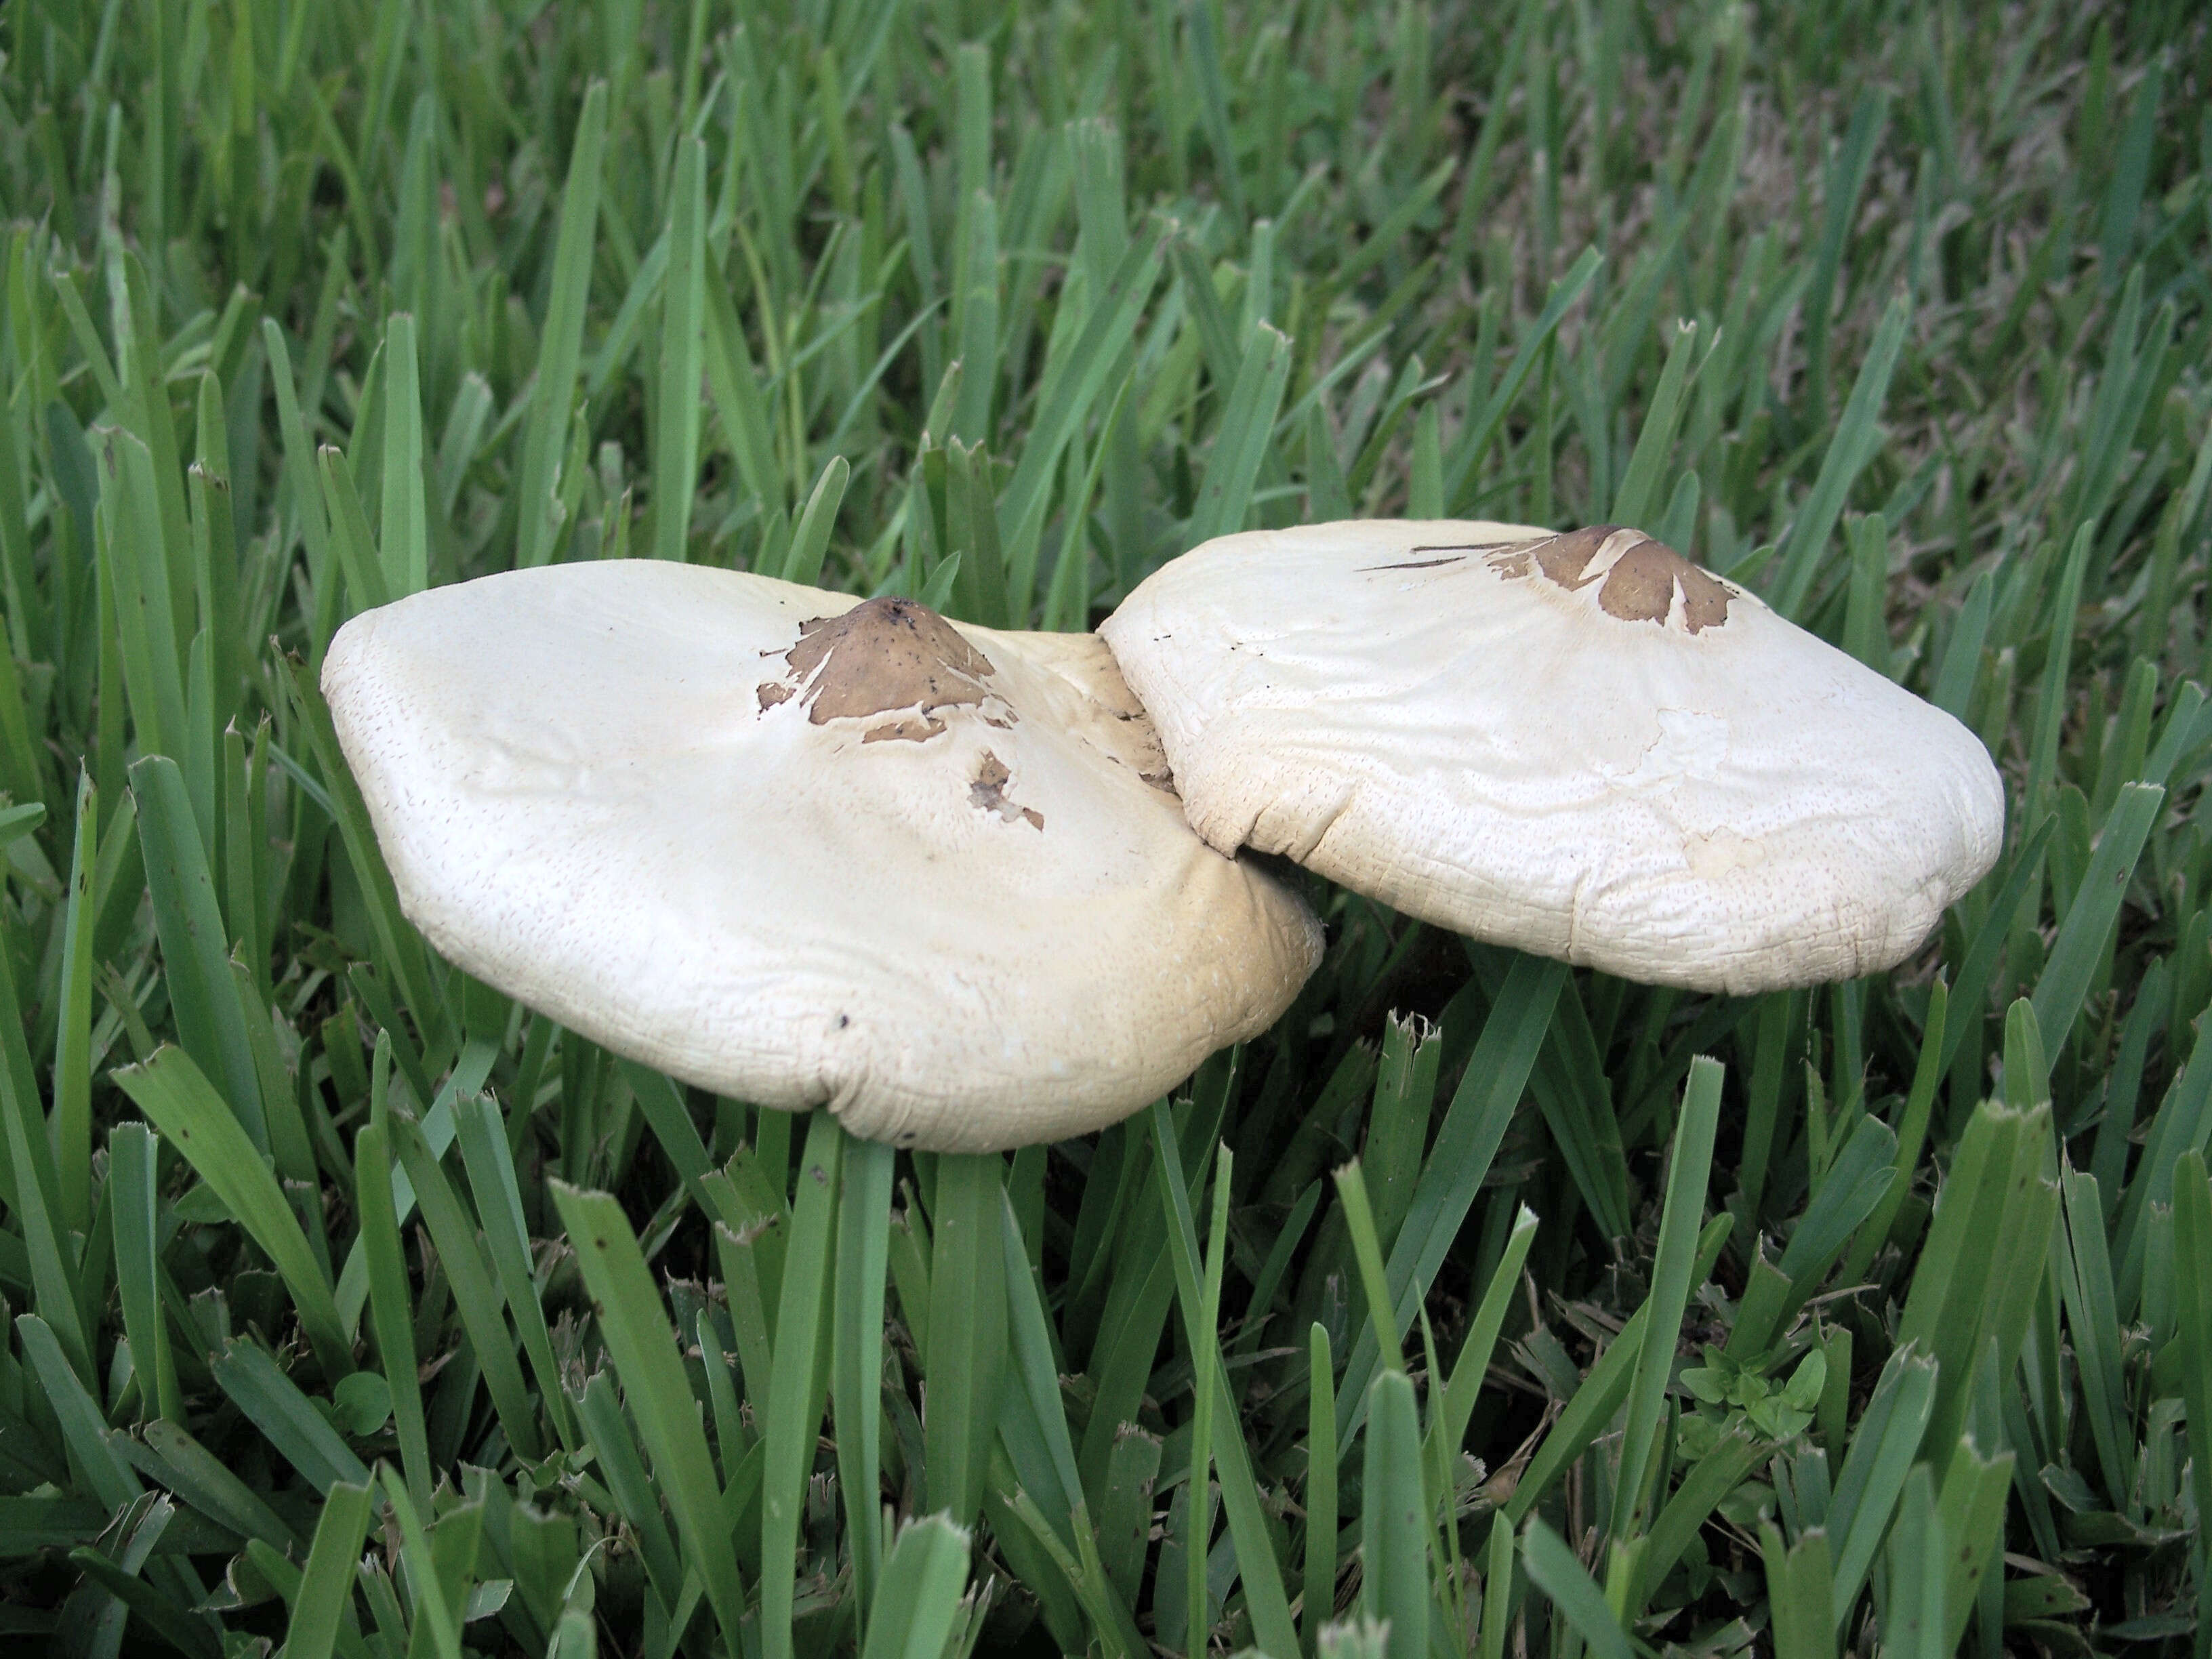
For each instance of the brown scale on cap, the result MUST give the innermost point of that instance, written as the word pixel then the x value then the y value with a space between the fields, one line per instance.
pixel 988 793
pixel 1640 585
pixel 885 655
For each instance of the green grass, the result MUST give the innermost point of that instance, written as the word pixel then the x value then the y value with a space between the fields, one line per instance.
pixel 355 1308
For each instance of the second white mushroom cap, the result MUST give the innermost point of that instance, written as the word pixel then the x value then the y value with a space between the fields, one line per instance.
pixel 1580 744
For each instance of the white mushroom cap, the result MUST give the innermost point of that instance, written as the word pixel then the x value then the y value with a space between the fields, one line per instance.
pixel 803 851
pixel 1580 744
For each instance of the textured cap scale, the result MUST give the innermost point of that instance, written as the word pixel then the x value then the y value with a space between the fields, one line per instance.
pixel 806 851
pixel 1580 744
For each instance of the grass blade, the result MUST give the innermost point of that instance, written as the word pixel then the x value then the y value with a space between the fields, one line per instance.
pixel 349 532
pixel 326 1586
pixel 132 1212
pixel 498 1197
pixel 856 1353
pixel 1982 1264
pixel 1553 1570
pixel 1395 1532
pixel 1882 1454
pixel 1477 434
pixel 924 1578
pixel 1913 1621
pixel 2088 922
pixel 432 1613
pixel 284 1415
pixel 1639 496
pixel 676 434
pixel 391 1306
pixel 643 1345
pixel 1798 1592
pixel 184 1106
pixel 794 1403
pixel 1352 1194
pixel 738 402
pixel 1971 1507
pixel 1125 1517
pixel 811 540
pixel 404 542
pixel 102 1466
pixel 1912 1135
pixel 2192 1259
pixel 1466 1144
pixel 1857 441
pixel 1689 1172
pixel 1071 388
pixel 1320 1594
pixel 72 1085
pixel 965 1361
pixel 211 1025
pixel 1241 443
pixel 553 384
pixel 53 1263
pixel 1448 1426
pixel 1033 1390
pixel 1602 1391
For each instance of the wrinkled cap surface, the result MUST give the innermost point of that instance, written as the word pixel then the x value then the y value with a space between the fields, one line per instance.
pixel 1580 744
pixel 805 851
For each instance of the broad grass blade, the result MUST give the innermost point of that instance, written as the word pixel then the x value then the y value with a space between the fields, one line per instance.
pixel 1913 1622
pixel 1971 1507
pixel 1125 1516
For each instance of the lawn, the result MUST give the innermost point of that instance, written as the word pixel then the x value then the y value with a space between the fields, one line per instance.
pixel 1482 1306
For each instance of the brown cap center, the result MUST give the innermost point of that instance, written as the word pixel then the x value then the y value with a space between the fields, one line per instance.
pixel 885 655
pixel 1638 585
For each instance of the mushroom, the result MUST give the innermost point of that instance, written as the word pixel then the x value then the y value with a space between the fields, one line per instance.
pixel 803 850
pixel 1582 744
